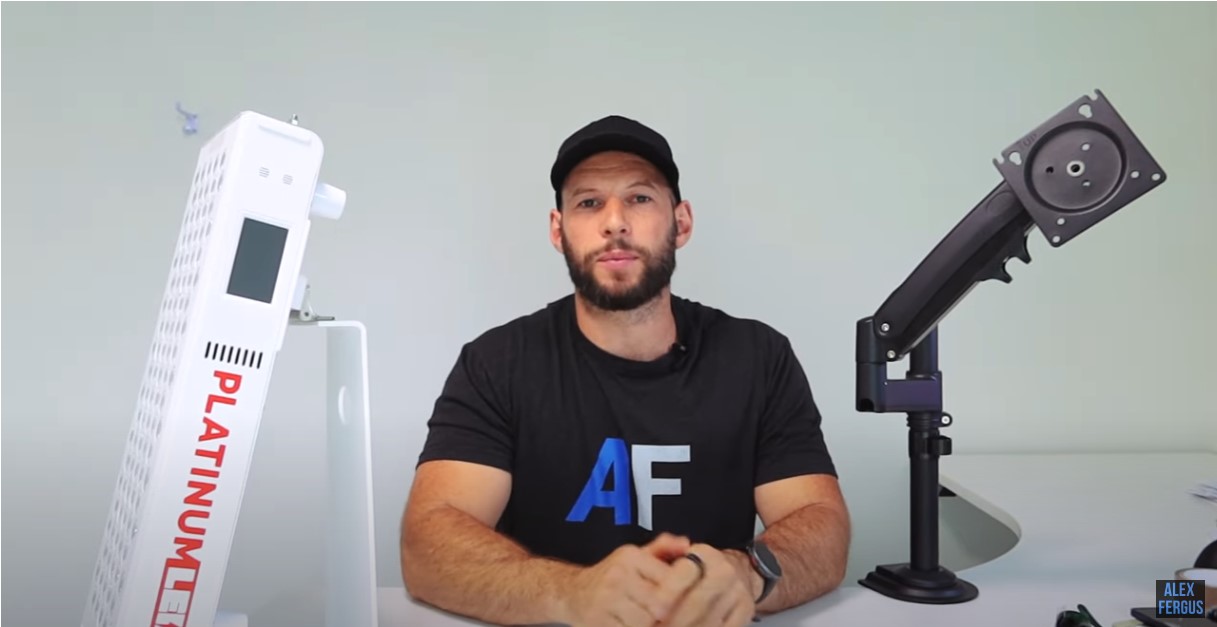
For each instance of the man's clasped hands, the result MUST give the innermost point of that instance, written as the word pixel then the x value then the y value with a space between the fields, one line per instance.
pixel 669 582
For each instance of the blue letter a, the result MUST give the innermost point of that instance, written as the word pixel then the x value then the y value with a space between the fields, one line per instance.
pixel 613 458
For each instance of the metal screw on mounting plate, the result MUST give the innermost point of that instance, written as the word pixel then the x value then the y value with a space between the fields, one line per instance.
pixel 891 354
pixel 885 327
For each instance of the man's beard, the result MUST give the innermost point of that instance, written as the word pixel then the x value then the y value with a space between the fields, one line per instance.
pixel 657 270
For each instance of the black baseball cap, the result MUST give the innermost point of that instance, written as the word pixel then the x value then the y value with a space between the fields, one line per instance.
pixel 614 133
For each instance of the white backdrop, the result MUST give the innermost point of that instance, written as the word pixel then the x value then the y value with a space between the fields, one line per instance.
pixel 825 148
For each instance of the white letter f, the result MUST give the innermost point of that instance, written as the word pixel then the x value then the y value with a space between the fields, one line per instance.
pixel 646 486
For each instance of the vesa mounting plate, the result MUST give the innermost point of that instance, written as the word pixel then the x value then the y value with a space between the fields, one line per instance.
pixel 1078 168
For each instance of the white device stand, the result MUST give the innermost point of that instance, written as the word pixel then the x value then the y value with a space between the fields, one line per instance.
pixel 350 571
pixel 233 289
pixel 350 568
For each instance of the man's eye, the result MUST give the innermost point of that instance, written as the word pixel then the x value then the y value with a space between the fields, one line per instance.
pixel 642 198
pixel 588 203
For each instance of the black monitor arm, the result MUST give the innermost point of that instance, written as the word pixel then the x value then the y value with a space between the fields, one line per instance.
pixel 1073 171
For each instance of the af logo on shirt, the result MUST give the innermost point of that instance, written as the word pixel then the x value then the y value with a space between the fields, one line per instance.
pixel 632 467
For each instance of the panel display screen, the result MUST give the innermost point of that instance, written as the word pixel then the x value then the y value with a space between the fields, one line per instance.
pixel 255 269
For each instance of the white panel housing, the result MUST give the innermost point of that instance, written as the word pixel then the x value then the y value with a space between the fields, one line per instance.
pixel 222 321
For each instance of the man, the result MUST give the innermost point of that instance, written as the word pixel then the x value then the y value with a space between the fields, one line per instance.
pixel 603 460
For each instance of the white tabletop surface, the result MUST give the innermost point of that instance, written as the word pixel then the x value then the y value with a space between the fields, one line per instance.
pixel 1095 529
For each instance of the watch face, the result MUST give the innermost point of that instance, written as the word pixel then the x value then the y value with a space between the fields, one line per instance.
pixel 766 558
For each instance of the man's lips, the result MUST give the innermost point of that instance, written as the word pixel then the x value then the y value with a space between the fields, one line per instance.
pixel 617 257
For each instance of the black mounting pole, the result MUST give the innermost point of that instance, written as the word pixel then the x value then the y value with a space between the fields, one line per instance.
pixel 925 446
pixel 922 579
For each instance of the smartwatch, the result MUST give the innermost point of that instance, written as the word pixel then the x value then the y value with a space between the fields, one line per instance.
pixel 765 565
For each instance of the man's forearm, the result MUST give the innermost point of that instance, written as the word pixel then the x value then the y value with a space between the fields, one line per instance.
pixel 452 561
pixel 812 545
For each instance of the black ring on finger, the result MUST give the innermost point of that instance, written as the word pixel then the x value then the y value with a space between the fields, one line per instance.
pixel 701 566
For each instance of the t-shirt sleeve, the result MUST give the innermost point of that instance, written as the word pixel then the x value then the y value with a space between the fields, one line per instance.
pixel 791 442
pixel 471 421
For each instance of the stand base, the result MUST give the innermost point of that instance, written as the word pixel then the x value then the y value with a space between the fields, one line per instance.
pixel 231 619
pixel 900 581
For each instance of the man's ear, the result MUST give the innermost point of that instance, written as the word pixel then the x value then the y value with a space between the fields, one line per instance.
pixel 684 222
pixel 555 229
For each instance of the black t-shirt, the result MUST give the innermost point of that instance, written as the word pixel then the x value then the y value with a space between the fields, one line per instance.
pixel 605 451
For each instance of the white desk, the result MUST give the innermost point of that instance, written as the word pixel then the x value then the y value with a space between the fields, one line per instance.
pixel 1095 529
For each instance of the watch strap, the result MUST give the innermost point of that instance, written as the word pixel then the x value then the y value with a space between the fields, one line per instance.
pixel 766 587
pixel 768 580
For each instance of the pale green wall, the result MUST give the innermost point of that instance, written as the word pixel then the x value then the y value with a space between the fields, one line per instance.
pixel 826 148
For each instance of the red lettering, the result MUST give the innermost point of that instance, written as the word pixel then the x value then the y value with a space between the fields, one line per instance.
pixel 217 455
pixel 174 608
pixel 212 429
pixel 184 559
pixel 216 398
pixel 186 516
pixel 197 506
pixel 229 382
pixel 200 490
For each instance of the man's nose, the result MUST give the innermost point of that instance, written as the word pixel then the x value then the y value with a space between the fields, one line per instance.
pixel 615 222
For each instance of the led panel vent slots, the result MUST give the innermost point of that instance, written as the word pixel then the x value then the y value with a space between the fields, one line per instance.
pixel 233 355
pixel 193 239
